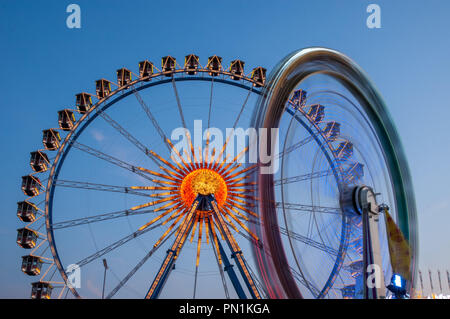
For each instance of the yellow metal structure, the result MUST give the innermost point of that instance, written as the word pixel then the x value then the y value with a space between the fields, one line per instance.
pixel 399 250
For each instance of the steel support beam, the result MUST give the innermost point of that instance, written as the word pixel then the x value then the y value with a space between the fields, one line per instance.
pixel 374 286
pixel 236 251
pixel 228 267
pixel 169 262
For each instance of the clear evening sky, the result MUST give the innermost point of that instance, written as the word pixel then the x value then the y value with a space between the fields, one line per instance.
pixel 43 63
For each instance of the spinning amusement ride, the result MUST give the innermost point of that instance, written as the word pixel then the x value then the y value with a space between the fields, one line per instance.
pixel 299 231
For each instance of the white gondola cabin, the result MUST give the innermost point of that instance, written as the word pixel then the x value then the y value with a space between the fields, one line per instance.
pixel 31 185
pixel 102 88
pixel 259 76
pixel 214 65
pixel 237 69
pixel 123 77
pixel 41 290
pixel 31 265
pixel 145 69
pixel 191 63
pixel 26 238
pixel 168 65
pixel 66 119
pixel 51 139
pixel 26 211
pixel 39 161
pixel 83 102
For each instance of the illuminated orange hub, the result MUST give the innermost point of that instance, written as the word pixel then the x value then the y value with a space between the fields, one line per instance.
pixel 203 181
pixel 179 185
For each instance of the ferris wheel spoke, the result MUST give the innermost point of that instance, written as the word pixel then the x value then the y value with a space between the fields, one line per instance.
pixel 216 160
pixel 136 268
pixel 152 118
pixel 309 285
pixel 188 135
pixel 209 159
pixel 308 208
pixel 115 245
pixel 242 108
pixel 315 291
pixel 98 218
pixel 128 136
pixel 260 245
pixel 247 237
pixel 295 146
pixel 304 177
pixel 311 220
pixel 97 187
pixel 115 161
pixel 180 108
pixel 296 236
pixel 308 241
pixel 210 101
pixel 249 170
pixel 331 225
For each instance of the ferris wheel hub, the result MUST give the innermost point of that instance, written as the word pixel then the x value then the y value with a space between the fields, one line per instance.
pixel 203 181
pixel 365 200
pixel 357 199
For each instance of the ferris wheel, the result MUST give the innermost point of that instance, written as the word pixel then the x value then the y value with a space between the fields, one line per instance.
pixel 113 194
pixel 339 152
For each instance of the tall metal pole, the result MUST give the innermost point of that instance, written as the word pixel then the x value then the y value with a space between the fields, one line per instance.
pixel 421 282
pixel 448 280
pixel 104 277
pixel 374 286
pixel 431 281
pixel 440 282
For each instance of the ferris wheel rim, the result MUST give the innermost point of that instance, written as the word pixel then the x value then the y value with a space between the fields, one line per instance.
pixel 93 113
pixel 289 73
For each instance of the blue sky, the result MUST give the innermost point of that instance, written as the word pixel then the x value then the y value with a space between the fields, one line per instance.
pixel 44 63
